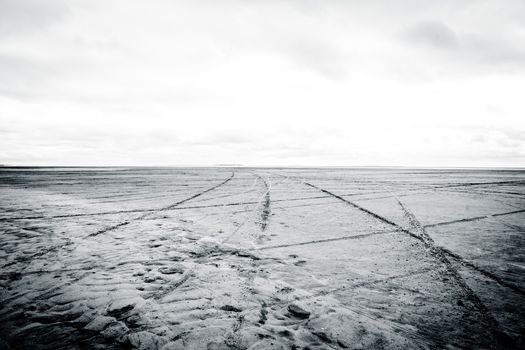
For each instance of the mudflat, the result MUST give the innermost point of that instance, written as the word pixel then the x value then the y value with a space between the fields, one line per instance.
pixel 262 258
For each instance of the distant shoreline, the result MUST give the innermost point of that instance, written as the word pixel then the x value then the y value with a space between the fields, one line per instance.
pixel 354 167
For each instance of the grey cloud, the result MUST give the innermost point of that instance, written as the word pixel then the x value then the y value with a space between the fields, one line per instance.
pixel 490 50
pixel 514 135
pixel 511 139
pixel 179 82
pixel 27 77
pixel 433 33
pixel 22 16
pixel 100 138
pixel 22 77
pixel 299 33
pixel 479 138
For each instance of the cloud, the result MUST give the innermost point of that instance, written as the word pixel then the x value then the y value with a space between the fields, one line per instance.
pixel 471 51
pixel 18 17
pixel 24 77
pixel 321 57
pixel 493 51
pixel 433 33
pixel 267 82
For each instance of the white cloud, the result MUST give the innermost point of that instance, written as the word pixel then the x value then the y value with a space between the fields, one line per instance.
pixel 262 82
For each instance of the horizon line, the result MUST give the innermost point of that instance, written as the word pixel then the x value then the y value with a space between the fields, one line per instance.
pixel 7 166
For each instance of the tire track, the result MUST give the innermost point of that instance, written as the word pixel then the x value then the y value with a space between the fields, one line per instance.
pixel 265 197
pixel 113 212
pixel 475 218
pixel 124 223
pixel 425 238
pixel 318 241
pixel 484 272
pixel 282 207
pixel 165 290
pixel 358 207
pixel 368 283
pixel 265 213
pixel 151 210
pixel 467 184
pixel 440 254
pixel 486 194
pixel 248 190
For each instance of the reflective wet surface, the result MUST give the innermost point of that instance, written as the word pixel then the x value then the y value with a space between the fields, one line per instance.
pixel 240 258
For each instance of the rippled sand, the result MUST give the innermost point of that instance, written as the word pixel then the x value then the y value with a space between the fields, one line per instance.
pixel 240 258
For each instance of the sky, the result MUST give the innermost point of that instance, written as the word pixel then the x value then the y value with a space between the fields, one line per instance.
pixel 262 82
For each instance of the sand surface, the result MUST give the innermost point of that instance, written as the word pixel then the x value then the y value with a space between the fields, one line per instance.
pixel 240 258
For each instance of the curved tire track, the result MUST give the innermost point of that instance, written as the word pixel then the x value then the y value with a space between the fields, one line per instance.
pixel 171 206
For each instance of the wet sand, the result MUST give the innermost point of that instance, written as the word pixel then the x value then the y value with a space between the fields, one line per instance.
pixel 246 258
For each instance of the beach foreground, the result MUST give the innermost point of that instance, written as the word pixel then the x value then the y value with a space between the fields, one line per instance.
pixel 261 258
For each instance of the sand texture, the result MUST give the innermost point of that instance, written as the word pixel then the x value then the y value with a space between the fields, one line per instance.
pixel 241 258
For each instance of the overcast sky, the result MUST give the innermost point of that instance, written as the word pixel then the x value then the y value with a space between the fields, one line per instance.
pixel 262 82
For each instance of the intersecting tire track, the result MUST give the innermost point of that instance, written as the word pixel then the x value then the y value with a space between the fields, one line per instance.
pixel 443 250
pixel 281 200
pixel 151 210
pixel 482 271
pixel 264 196
pixel 233 194
pixel 176 284
pixel 439 254
pixel 239 204
pixel 391 223
pixel 36 217
pixel 171 206
pixel 265 199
